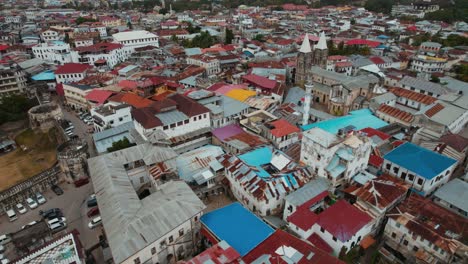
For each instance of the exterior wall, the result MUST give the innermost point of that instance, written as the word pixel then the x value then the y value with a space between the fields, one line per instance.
pixel 212 67
pixel 140 42
pixel 450 207
pixel 194 123
pixel 75 97
pixel 282 143
pixel 418 183
pixel 429 66
pixel 84 43
pixel 404 241
pixel 163 246
pixel 390 119
pixel 59 54
pixel 12 82
pixel 262 207
pixel 112 58
pixel 69 78
pixel 119 117
pixel 459 124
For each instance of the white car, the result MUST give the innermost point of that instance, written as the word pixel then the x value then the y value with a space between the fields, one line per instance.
pixel 20 208
pixel 57 220
pixel 40 198
pixel 31 203
pixel 29 224
pixel 95 222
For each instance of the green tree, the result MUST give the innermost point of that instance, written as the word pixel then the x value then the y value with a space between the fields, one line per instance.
pixel 174 38
pixel 163 11
pixel 259 37
pixel 81 20
pixel 435 79
pixel 229 36
pixel 120 144
pixel 14 108
pixel 461 72
pixel 66 39
pixel 380 6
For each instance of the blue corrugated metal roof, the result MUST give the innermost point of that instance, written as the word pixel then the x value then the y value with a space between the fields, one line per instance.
pixel 360 119
pixel 44 76
pixel 237 226
pixel 419 160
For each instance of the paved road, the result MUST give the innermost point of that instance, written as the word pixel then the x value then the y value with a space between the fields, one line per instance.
pixel 80 130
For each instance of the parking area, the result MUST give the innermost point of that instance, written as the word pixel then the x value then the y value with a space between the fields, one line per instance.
pixel 74 207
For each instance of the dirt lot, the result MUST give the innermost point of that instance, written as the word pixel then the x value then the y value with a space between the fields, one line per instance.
pixel 20 164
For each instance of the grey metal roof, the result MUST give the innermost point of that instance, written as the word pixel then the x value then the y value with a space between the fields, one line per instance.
pixel 446 116
pixel 454 192
pixel 113 131
pixel 132 224
pixel 295 94
pixel 232 107
pixel 171 117
pixel 421 84
pixel 308 191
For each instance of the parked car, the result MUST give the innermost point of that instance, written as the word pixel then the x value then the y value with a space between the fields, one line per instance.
pixel 56 220
pixel 57 190
pixel 92 200
pixel 93 212
pixel 58 227
pixel 40 198
pixel 29 224
pixel 81 182
pixel 31 203
pixel 11 215
pixel 5 239
pixel 95 222
pixel 51 213
pixel 20 208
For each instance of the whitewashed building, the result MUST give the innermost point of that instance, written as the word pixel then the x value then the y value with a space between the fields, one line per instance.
pixel 136 39
pixel 110 115
pixel 71 72
pixel 210 63
pixel 57 52
pixel 335 157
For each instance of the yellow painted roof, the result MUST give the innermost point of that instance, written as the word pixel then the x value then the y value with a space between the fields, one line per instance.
pixel 240 94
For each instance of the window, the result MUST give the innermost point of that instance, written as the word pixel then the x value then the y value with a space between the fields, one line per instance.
pixel 405 242
pixel 162 244
pixel 172 125
pixel 136 261
pixel 153 250
pixel 186 121
pixel 181 232
pixel 319 157
pixel 395 170
pixel 388 166
pixel 420 181
pixel 322 230
pixel 415 248
pixel 196 219
pixel 171 239
pixel 411 177
pixel 393 235
pixel 120 119
pixel 180 123
pixel 334 238
pixel 142 180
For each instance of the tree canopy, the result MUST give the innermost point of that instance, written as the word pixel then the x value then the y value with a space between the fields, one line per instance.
pixel 229 36
pixel 14 108
pixel 204 40
pixel 81 20
pixel 120 144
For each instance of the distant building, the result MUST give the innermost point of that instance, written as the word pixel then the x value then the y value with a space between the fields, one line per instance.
pixel 71 72
pixel 57 52
pixel 136 39
pixel 281 133
pixel 110 115
pixel 12 81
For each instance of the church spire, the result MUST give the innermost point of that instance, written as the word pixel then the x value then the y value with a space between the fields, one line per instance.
pixel 322 43
pixel 305 47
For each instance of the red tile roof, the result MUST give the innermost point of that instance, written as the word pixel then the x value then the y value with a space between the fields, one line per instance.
pixel 370 132
pixel 455 141
pixel 280 238
pixel 100 47
pixel 98 96
pixel 282 128
pixel 259 81
pixel 69 68
pixel 396 113
pixel 376 161
pixel 366 42
pixel 377 60
pixel 320 243
pixel 217 254
pixel 131 99
pixel 382 192
pixel 414 96
pixel 343 220
pixel 434 110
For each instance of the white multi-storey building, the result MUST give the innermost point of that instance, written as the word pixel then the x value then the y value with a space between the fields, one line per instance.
pixel 57 52
pixel 210 63
pixel 109 53
pixel 410 163
pixel 71 72
pixel 136 39
pixel 428 64
pixel 337 158
pixel 110 115
pixel 50 35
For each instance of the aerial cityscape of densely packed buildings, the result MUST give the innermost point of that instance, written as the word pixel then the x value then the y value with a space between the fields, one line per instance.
pixel 210 132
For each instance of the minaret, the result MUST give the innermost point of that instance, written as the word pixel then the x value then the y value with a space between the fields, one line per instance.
pixel 307 100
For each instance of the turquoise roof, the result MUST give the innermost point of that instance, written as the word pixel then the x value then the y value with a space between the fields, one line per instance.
pixel 44 76
pixel 360 119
